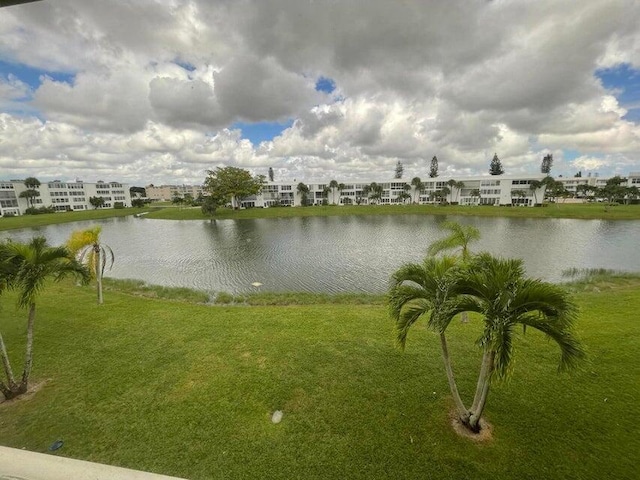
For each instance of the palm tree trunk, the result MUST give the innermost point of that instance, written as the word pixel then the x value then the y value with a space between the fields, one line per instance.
pixel 462 411
pixel 98 267
pixel 482 389
pixel 28 358
pixel 7 365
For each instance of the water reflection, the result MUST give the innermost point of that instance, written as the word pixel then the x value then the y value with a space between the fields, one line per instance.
pixel 337 254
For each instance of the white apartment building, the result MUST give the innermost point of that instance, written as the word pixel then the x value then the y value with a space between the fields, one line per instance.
pixel 571 183
pixel 165 193
pixel 494 190
pixel 62 196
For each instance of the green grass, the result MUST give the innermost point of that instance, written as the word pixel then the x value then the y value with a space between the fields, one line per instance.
pixel 578 211
pixel 29 221
pixel 188 390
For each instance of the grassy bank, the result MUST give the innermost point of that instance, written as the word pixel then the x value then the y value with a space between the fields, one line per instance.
pixel 579 211
pixel 29 221
pixel 188 390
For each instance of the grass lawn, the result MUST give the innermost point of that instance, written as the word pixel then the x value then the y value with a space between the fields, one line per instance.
pixel 27 221
pixel 580 211
pixel 188 390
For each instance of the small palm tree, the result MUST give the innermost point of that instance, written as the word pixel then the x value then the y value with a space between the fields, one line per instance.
pixel 26 268
pixel 460 237
pixel 86 246
pixel 498 291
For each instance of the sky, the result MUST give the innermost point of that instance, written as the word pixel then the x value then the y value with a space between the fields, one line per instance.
pixel 158 92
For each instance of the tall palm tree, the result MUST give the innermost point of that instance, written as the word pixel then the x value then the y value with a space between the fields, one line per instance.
pixel 333 185
pixel 341 187
pixel 374 192
pixel 418 186
pixel 26 268
pixel 86 246
pixel 303 191
pixel 534 186
pixel 498 291
pixel 460 237
pixel 475 193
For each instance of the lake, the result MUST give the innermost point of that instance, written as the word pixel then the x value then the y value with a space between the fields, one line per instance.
pixel 337 254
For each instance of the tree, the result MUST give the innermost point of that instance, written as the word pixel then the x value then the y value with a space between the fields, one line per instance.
pixel 188 199
pixel 137 203
pixel 373 192
pixel 96 202
pixel 86 247
pixel 440 289
pixel 547 162
pixel 232 184
pixel 425 290
pixel 518 194
pixel 475 193
pixel 333 185
pixel 325 195
pixel 534 186
pixel 27 268
pixel 613 191
pixel 32 182
pixel 303 191
pixel 137 192
pixel 270 174
pixel 579 174
pixel 210 204
pixel 418 186
pixel 433 169
pixel 453 184
pixel 404 196
pixel 444 192
pixel 495 168
pixel 177 199
pixel 29 195
pixel 460 237
pixel 584 190
pixel 399 170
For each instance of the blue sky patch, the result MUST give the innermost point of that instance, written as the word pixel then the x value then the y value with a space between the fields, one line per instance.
pixel 624 80
pixel 325 84
pixel 186 65
pixel 30 75
pixel 261 131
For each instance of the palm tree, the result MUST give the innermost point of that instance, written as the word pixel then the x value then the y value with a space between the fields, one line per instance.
pixel 303 191
pixel 498 291
pixel 428 289
pixel 341 187
pixel 374 192
pixel 444 191
pixel 460 237
pixel 534 186
pixel 86 246
pixel 475 193
pixel 417 185
pixel 26 268
pixel 333 185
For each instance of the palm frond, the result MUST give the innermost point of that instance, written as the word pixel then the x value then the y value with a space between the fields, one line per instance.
pixel 572 352
pixel 410 314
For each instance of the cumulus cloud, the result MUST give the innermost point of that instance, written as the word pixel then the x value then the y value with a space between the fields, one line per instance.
pixel 156 87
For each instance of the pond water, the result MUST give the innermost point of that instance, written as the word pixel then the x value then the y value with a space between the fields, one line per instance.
pixel 337 254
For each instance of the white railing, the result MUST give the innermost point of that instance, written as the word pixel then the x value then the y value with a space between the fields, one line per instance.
pixel 24 465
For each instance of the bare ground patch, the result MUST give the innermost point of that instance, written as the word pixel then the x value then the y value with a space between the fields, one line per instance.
pixel 34 388
pixel 484 435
